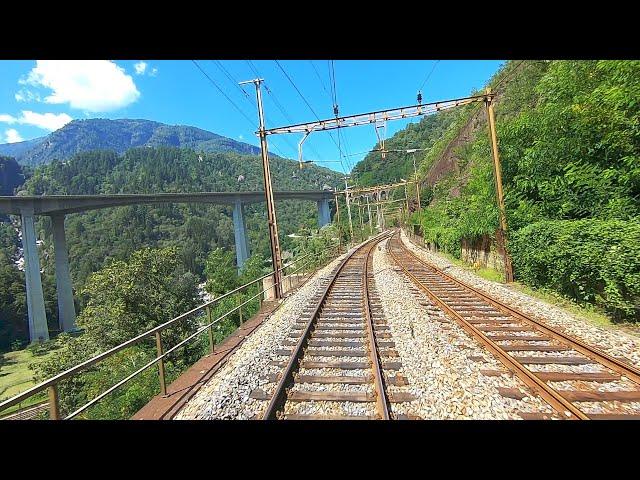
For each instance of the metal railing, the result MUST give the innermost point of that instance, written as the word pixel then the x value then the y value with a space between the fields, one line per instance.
pixel 51 385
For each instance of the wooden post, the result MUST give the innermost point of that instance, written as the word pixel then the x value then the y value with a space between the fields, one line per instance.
pixel 497 170
pixel 54 403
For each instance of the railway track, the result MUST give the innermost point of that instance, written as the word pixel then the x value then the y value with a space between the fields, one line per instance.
pixel 28 413
pixel 578 381
pixel 341 362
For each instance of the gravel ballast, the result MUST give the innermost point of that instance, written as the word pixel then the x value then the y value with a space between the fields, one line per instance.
pixel 436 357
pixel 226 395
pixel 613 341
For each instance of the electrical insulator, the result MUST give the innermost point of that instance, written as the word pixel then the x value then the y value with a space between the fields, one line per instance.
pixel 335 110
pixel 419 98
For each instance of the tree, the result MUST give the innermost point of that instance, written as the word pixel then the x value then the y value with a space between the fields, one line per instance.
pixel 221 272
pixel 125 299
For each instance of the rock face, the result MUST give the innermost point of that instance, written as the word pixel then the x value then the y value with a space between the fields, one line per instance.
pixel 118 135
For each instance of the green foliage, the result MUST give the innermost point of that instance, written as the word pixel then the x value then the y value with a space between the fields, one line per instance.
pixel 373 170
pixel 11 175
pixel 128 298
pixel 320 246
pixel 220 270
pixel 97 236
pixel 569 137
pixel 125 299
pixel 594 261
pixel 13 324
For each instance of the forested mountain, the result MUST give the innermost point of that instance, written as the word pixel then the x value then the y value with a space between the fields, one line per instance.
pixel 118 135
pixel 97 237
pixel 569 141
pixel 18 149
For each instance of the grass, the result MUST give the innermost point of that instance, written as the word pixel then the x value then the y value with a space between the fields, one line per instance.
pixel 15 374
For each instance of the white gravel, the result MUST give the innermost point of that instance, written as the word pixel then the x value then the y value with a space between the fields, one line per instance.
pixel 435 357
pixel 226 395
pixel 611 340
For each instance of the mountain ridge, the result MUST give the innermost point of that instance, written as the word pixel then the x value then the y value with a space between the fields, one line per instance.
pixel 119 135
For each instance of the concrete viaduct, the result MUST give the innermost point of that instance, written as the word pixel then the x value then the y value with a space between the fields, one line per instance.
pixel 57 206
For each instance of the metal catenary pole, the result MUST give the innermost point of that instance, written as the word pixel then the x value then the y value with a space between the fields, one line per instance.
pixel 346 196
pixel 276 257
pixel 415 172
pixel 497 170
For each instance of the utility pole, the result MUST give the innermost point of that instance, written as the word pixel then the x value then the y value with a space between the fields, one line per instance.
pixel 276 257
pixel 369 210
pixel 406 197
pixel 338 220
pixel 360 215
pixel 497 170
pixel 346 196
pixel 415 173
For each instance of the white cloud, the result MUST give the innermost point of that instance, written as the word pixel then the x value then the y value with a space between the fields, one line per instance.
pixel 7 118
pixel 154 72
pixel 12 136
pixel 46 121
pixel 140 68
pixel 91 85
pixel 24 95
pixel 240 137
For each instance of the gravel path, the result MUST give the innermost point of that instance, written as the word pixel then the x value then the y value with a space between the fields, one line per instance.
pixel 613 341
pixel 226 395
pixel 436 357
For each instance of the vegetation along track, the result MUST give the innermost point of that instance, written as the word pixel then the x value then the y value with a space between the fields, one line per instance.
pixel 340 356
pixel 578 381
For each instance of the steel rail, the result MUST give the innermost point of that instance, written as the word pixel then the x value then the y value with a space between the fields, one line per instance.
pixel 630 371
pixel 382 400
pixel 287 378
pixel 551 396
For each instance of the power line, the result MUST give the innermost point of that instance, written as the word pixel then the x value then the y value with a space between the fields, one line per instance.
pixel 233 80
pixel 429 75
pixel 297 90
pixel 253 125
pixel 513 70
pixel 304 99
pixel 320 78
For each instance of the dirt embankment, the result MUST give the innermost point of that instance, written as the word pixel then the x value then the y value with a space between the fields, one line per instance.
pixel 448 160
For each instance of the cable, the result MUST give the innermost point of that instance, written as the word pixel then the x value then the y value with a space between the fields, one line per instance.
pixel 233 80
pixel 225 95
pixel 429 75
pixel 320 78
pixel 297 90
pixel 253 125
pixel 509 75
pixel 303 98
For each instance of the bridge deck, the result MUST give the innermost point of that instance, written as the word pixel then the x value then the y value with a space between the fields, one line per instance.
pixel 63 204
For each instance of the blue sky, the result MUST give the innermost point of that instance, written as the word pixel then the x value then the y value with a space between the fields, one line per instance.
pixel 38 97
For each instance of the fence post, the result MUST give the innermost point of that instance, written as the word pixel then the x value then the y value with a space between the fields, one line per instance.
pixel 210 329
pixel 163 384
pixel 240 308
pixel 54 407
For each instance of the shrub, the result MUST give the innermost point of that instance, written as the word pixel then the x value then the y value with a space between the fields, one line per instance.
pixel 592 261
